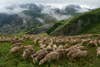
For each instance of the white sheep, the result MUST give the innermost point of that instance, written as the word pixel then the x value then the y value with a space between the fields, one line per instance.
pixel 54 46
pixel 60 47
pixel 98 51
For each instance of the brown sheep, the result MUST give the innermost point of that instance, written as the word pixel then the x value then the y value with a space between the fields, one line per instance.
pixel 66 46
pixel 98 42
pixel 85 41
pixel 79 54
pixel 16 49
pixel 75 47
pixel 27 53
pixel 76 51
pixel 49 57
pixel 54 55
pixel 16 44
pixel 40 54
pixel 62 52
pixel 93 43
pixel 28 47
pixel 16 41
pixel 70 52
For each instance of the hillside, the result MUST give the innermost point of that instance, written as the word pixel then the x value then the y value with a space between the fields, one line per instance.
pixel 29 17
pixel 81 24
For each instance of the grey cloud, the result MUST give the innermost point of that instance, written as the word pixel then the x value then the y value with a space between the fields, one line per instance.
pixel 91 3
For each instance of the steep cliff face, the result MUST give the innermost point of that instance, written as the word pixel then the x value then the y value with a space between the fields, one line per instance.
pixel 84 23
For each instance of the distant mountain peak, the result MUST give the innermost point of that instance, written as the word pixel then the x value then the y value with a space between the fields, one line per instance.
pixel 31 15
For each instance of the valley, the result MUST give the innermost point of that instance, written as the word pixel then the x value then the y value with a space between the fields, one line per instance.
pixel 50 34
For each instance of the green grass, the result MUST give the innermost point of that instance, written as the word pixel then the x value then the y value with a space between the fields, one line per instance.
pixel 55 26
pixel 11 60
pixel 93 28
pixel 91 19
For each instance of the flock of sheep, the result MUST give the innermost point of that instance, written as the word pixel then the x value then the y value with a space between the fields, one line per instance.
pixel 54 48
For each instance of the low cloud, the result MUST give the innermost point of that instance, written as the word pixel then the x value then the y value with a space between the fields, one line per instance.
pixel 91 3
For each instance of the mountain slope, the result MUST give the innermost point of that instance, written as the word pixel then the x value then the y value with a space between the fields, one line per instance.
pixel 85 23
pixel 33 17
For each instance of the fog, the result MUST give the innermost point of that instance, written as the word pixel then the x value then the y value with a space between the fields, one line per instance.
pixel 53 3
pixel 90 3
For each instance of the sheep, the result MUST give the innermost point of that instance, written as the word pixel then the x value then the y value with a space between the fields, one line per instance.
pixel 49 47
pixel 27 53
pixel 36 40
pixel 16 44
pixel 54 55
pixel 98 42
pixel 16 40
pixel 60 47
pixel 74 41
pixel 85 41
pixel 28 47
pixel 98 51
pixel 79 54
pixel 40 54
pixel 75 47
pixel 62 52
pixel 42 46
pixel 93 43
pixel 70 52
pixel 5 39
pixel 54 47
pixel 66 46
pixel 16 49
pixel 51 41
pixel 25 37
pixel 76 51
pixel 59 41
pixel 49 57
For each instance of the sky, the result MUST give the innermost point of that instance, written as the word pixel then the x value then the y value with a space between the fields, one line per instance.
pixel 90 3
